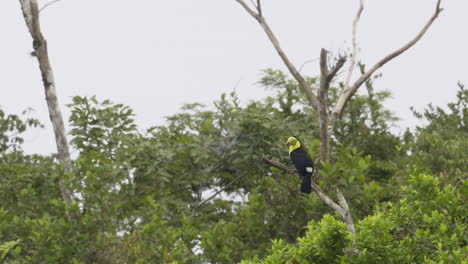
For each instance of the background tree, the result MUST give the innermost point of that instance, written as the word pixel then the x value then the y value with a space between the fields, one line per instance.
pixel 319 100
pixel 445 135
pixel 198 183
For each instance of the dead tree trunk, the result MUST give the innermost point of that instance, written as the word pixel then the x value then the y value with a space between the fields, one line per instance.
pixel 31 16
pixel 320 102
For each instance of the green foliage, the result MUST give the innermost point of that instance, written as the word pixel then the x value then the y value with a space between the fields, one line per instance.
pixel 28 183
pixel 441 145
pixel 99 126
pixel 11 128
pixel 323 242
pixel 429 225
pixel 289 97
pixel 145 197
pixel 348 171
pixel 6 247
pixel 365 123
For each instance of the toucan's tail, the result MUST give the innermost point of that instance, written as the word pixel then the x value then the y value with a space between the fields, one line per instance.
pixel 306 184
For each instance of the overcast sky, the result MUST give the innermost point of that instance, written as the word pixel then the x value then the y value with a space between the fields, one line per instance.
pixel 156 55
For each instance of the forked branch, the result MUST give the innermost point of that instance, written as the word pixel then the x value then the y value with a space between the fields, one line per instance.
pixel 349 92
pixel 326 74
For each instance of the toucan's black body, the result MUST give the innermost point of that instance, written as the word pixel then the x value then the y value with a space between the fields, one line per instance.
pixel 301 160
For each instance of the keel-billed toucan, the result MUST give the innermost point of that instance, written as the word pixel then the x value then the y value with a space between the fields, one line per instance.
pixel 302 161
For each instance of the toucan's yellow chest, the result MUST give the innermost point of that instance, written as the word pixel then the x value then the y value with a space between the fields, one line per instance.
pixel 294 147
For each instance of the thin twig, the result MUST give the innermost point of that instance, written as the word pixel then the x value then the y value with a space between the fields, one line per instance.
pixel 48 4
pixel 218 192
pixel 306 62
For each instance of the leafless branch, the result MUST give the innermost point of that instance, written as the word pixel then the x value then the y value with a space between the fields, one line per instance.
pixel 354 51
pixel 292 69
pixel 31 16
pixel 48 4
pixel 306 62
pixel 259 7
pixel 343 210
pixel 347 94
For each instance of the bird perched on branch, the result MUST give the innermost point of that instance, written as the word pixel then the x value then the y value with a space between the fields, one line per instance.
pixel 302 161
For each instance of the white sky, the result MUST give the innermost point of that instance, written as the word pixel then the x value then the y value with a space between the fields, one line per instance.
pixel 157 55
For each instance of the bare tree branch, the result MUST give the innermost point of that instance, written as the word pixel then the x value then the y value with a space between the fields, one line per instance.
pixel 292 69
pixel 347 94
pixel 354 49
pixel 31 16
pixel 343 210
